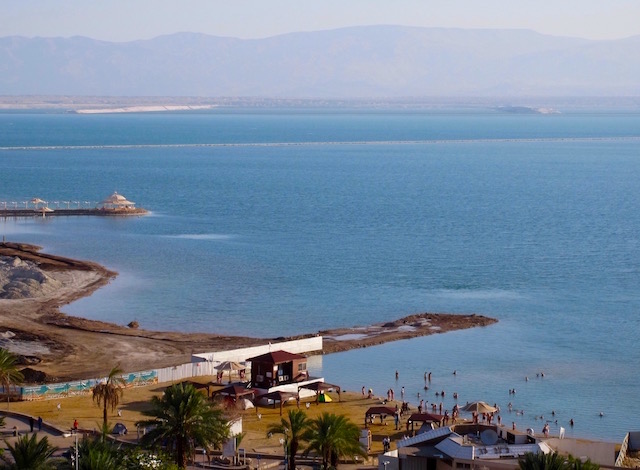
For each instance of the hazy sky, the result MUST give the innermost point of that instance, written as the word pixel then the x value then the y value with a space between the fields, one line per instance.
pixel 125 20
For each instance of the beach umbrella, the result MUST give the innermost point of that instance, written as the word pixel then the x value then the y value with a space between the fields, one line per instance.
pixel 36 200
pixel 479 407
pixel 229 366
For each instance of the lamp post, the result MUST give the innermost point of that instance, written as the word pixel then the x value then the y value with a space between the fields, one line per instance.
pixel 76 449
pixel 285 445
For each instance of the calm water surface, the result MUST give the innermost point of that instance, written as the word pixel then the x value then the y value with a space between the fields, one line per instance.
pixel 282 222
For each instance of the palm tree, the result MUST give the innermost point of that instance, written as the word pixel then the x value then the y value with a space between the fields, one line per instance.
pixel 577 464
pixel 98 454
pixel 542 461
pixel 29 453
pixel 293 429
pixel 9 374
pixel 332 436
pixel 109 392
pixel 184 419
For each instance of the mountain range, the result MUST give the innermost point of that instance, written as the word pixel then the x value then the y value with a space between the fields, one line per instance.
pixel 355 62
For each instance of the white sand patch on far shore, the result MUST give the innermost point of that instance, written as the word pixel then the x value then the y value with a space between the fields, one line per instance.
pixel 145 109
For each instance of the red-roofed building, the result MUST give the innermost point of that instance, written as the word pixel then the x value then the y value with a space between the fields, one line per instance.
pixel 277 368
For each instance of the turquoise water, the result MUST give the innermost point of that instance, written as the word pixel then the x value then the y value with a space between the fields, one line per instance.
pixel 282 222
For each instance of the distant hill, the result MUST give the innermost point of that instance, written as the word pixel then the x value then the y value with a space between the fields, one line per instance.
pixel 358 62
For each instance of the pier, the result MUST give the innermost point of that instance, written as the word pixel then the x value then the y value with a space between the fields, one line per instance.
pixel 114 205
pixel 71 212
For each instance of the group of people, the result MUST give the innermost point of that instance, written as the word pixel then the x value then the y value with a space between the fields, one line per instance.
pixel 33 421
pixel 368 394
pixel 386 443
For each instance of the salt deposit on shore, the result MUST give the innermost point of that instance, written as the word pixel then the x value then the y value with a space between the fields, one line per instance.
pixel 23 279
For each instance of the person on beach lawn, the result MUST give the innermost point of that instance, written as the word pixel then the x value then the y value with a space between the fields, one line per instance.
pixel 31 423
pixel 39 423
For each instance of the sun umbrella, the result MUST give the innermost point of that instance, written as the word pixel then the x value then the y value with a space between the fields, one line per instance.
pixel 229 366
pixel 479 407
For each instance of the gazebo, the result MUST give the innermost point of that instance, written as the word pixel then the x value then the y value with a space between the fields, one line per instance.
pixel 279 396
pixel 117 201
pixel 381 411
pixel 320 387
pixel 234 391
pixel 425 418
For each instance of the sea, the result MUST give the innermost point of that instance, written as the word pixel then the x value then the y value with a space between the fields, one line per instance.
pixel 275 222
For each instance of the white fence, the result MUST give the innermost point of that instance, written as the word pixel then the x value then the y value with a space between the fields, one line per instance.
pixel 203 364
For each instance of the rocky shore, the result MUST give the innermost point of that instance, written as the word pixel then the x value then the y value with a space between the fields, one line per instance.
pixel 55 346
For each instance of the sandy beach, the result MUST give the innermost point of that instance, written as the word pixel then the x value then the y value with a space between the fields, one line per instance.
pixel 67 347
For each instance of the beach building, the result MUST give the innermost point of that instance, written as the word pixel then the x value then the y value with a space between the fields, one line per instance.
pixel 274 374
pixel 277 368
pixel 281 376
pixel 489 447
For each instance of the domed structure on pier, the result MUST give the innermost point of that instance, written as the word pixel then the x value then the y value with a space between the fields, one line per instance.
pixel 117 202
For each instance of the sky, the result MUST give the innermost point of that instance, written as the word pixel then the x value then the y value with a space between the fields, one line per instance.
pixel 127 20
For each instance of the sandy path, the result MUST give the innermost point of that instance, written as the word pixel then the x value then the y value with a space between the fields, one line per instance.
pixel 72 348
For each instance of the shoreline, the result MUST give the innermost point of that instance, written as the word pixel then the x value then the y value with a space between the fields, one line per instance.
pixel 67 347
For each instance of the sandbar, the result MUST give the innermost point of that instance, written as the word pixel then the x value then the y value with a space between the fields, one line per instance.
pixel 67 347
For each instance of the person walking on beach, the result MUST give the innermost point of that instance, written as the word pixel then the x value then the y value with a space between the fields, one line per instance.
pixel 31 423
pixel 39 423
